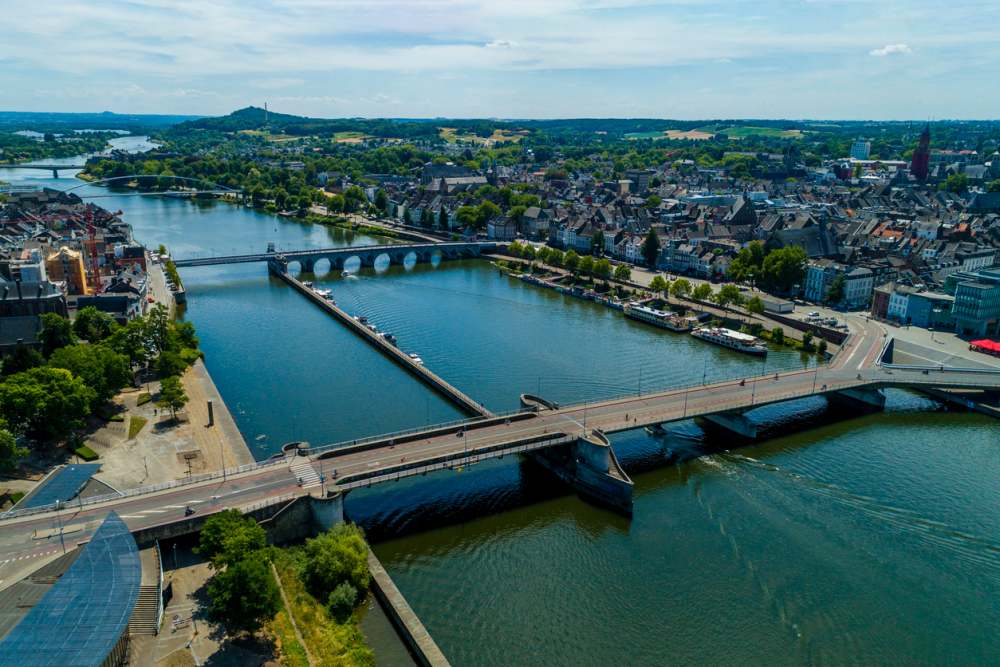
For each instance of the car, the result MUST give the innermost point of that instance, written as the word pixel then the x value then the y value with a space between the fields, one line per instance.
pixel 814 313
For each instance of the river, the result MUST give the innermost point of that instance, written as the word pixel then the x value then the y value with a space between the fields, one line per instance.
pixel 842 539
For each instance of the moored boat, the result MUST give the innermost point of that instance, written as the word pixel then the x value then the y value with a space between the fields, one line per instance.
pixel 734 340
pixel 658 318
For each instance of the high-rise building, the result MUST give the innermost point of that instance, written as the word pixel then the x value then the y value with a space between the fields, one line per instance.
pixel 922 155
pixel 861 149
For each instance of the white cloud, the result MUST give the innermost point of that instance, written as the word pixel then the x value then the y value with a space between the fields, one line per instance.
pixel 890 50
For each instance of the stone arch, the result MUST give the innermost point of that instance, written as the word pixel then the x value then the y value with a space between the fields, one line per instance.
pixel 322 266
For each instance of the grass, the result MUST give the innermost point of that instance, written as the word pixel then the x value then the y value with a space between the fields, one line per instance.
pixel 330 642
pixel 452 135
pixel 742 131
pixel 86 453
pixel 293 654
pixel 135 425
pixel 143 398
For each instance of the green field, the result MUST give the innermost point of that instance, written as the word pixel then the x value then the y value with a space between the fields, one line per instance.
pixel 742 131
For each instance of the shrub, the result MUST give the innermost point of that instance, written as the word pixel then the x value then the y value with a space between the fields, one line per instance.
pixel 335 557
pixel 778 335
pixel 143 398
pixel 86 453
pixel 821 346
pixel 341 601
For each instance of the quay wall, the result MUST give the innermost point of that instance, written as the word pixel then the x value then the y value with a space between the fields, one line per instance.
pixel 439 384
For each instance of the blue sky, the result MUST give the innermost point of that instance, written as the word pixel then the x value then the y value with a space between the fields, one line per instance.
pixel 685 59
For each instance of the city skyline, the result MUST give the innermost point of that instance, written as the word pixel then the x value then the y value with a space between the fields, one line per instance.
pixel 680 59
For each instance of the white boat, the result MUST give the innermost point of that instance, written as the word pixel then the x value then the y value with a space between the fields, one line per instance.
pixel 658 318
pixel 307 283
pixel 345 274
pixel 416 359
pixel 734 340
pixel 323 292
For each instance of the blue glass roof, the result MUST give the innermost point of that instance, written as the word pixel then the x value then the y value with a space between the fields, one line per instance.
pixel 83 615
pixel 63 484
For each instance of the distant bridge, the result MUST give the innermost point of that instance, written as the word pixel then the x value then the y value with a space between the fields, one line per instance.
pixel 54 168
pixel 307 259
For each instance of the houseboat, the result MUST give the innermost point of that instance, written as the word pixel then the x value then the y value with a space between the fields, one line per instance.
pixel 657 318
pixel 734 340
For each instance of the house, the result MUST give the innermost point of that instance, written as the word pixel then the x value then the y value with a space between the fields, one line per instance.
pixel 858 283
pixel 501 229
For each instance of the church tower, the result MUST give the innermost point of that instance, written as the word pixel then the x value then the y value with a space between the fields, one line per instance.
pixel 920 163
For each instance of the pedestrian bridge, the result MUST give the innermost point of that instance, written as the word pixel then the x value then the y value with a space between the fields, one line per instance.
pixel 397 253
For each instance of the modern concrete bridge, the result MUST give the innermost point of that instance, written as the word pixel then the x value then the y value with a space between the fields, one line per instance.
pixel 396 254
pixel 570 440
pixel 54 168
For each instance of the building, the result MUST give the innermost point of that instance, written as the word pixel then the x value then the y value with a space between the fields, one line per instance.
pixel 977 304
pixel 920 163
pixel 66 266
pixel 858 286
pixel 501 229
pixel 861 149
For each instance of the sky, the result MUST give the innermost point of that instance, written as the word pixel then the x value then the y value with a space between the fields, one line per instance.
pixel 683 59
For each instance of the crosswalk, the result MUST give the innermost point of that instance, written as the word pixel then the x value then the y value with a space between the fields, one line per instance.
pixel 303 469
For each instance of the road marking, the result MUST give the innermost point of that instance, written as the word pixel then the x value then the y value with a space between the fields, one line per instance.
pixel 153 511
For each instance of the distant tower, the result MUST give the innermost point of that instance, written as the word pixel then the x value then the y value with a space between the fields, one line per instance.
pixel 922 155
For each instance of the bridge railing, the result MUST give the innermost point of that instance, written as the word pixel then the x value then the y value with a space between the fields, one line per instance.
pixel 941 368
pixel 142 490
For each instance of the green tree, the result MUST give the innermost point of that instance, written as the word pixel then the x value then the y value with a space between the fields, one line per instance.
pixel 602 268
pixel 807 339
pixel 101 368
pixel 659 285
pixel 227 536
pixel 957 183
pixel 597 242
pixel 993 186
pixel 45 403
pixel 784 268
pixel 186 335
pixel 653 201
pixel 586 265
pixel 172 395
pixel 132 340
pixel 623 273
pixel 571 261
pixel 485 212
pixel 341 601
pixel 381 201
pixel 56 332
pixel 245 595
pixel 747 264
pixel 651 248
pixel 443 218
pixel 159 328
pixel 778 335
pixel 170 363
pixel 21 359
pixel 681 288
pixel 337 556
pixel 555 257
pixel 755 306
pixel 821 346
pixel 729 294
pixel 466 216
pixel 702 292
pixel 10 452
pixel 93 325
pixel 835 293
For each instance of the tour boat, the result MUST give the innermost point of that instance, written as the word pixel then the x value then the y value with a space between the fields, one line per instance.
pixel 323 292
pixel 734 340
pixel 657 318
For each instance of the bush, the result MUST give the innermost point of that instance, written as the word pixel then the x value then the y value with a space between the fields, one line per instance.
pixel 778 335
pixel 341 601
pixel 807 338
pixel 335 557
pixel 143 398
pixel 86 453
pixel 821 346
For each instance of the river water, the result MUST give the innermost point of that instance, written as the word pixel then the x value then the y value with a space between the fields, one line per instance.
pixel 841 539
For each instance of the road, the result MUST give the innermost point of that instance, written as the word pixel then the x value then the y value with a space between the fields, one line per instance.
pixel 32 536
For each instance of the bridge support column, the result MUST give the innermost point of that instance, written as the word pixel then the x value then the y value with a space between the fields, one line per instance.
pixel 277 266
pixel 734 422
pixel 868 397
pixel 55 173
pixel 327 512
pixel 590 466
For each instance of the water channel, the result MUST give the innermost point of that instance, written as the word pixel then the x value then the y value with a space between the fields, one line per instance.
pixel 842 539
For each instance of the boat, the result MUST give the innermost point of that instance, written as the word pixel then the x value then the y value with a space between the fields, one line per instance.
pixel 658 318
pixel 345 274
pixel 389 338
pixel 416 358
pixel 734 340
pixel 307 283
pixel 656 430
pixel 323 292
pixel 361 319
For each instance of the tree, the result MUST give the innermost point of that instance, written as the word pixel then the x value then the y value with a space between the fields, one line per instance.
pixel 957 183
pixel 651 248
pixel 778 335
pixel 485 212
pixel 172 395
pixel 784 268
pixel 528 252
pixel 21 359
pixel 341 601
pixel 602 268
pixel 93 325
pixel 993 186
pixel 729 294
pixel 101 368
pixel 702 292
pixel 755 306
pixel 807 339
pixel 623 273
pixel 170 363
pixel 381 201
pixel 228 536
pixel 158 328
pixel 337 556
pixel 821 346
pixel 186 335
pixel 586 265
pixel 9 450
pixel 45 403
pixel 597 242
pixel 681 288
pixel 571 261
pixel 56 332
pixel 653 201
pixel 408 217
pixel 245 595
pixel 835 293
pixel 555 257
pixel 132 340
pixel 466 216
pixel 659 284
pixel 747 264
pixel 443 218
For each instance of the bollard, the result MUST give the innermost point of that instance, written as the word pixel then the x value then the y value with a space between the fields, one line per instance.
pixel 211 413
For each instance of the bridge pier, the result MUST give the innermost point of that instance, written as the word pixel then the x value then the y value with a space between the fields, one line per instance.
pixel 867 397
pixel 732 422
pixel 590 466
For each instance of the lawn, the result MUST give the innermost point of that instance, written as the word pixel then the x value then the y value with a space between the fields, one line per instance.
pixel 742 131
pixel 135 425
